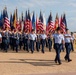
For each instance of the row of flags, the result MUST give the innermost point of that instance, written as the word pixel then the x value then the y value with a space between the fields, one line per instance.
pixel 29 22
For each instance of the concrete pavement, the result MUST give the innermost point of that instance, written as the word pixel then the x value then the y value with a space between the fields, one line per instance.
pixel 24 63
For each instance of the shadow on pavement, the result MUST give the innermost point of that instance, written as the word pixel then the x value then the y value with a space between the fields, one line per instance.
pixel 34 62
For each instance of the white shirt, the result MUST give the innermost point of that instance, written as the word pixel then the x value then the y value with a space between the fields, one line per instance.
pixel 67 38
pixel 0 36
pixel 43 36
pixel 72 37
pixel 58 38
pixel 32 36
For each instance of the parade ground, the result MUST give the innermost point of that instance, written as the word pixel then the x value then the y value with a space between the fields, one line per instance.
pixel 23 63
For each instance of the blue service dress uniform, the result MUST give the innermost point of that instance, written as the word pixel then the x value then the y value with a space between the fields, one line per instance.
pixel 16 40
pixel 20 40
pixel 67 46
pixel 72 42
pixel 43 41
pixel 26 41
pixel 49 42
pixel 11 40
pixel 2 45
pixel 0 39
pixel 6 40
pixel 38 42
pixel 32 38
pixel 58 38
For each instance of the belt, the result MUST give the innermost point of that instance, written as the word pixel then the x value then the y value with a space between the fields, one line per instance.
pixel 58 43
pixel 67 42
pixel 42 39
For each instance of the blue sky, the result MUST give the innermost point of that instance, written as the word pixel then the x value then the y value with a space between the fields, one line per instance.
pixel 46 6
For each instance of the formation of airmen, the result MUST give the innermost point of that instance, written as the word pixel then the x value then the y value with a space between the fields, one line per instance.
pixel 17 40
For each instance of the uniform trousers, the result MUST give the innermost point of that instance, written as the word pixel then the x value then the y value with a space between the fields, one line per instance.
pixel 32 45
pixel 38 45
pixel 43 41
pixel 49 44
pixel 57 49
pixel 68 49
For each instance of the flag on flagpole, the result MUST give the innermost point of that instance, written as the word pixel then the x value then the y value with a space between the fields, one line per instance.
pixel 44 22
pixel 22 22
pixel 16 14
pixel 40 25
pixel 6 22
pixel 41 17
pixel 11 20
pixel 5 14
pixel 28 23
pixel 37 23
pixel 50 25
pixel 15 19
pixel 18 25
pixel 33 21
pixel 64 18
pixel 56 21
pixel 62 25
pixel 26 15
pixel 61 19
pixel 1 19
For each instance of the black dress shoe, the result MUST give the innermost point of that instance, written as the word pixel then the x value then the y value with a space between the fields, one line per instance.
pixel 6 51
pixel 16 51
pixel 65 58
pixel 63 50
pixel 72 50
pixel 69 60
pixel 50 50
pixel 60 63
pixel 32 52
pixel 43 52
pixel 28 51
pixel 37 50
pixel 55 61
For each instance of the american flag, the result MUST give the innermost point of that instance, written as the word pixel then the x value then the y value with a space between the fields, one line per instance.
pixel 6 22
pixel 18 25
pixel 50 26
pixel 62 25
pixel 28 25
pixel 37 20
pixel 40 26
